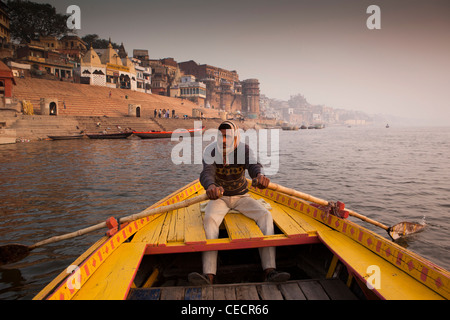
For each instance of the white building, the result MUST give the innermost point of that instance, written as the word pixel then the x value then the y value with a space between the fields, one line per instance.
pixel 104 67
pixel 143 77
pixel 189 88
pixel 92 71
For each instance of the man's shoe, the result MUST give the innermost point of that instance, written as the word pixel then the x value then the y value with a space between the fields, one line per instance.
pixel 197 279
pixel 277 276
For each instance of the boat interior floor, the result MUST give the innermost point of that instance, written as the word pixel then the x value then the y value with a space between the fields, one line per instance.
pixel 324 289
pixel 240 276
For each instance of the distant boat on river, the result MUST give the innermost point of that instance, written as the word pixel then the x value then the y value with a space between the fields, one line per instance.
pixel 119 135
pixel 164 134
pixel 67 137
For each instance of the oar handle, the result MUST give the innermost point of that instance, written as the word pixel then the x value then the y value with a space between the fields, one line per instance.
pixel 69 235
pixel 307 197
pixel 298 194
pixel 142 214
pixel 170 207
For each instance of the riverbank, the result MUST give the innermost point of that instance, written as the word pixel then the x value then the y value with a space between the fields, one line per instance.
pixel 24 128
pixel 93 109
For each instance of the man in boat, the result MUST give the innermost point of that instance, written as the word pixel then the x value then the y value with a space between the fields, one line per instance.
pixel 224 174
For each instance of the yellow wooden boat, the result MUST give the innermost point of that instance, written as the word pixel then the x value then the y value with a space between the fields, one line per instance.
pixel 328 257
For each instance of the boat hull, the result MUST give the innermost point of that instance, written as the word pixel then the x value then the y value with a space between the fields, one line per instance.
pixel 164 134
pixel 123 135
pixel 115 266
pixel 71 137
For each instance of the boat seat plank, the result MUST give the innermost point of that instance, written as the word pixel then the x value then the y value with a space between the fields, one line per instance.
pixel 313 290
pixel 269 291
pixel 240 228
pixel 194 231
pixel 193 294
pixel 286 224
pixel 178 230
pixel 150 233
pixel 207 293
pixel 392 279
pixel 176 226
pixel 145 294
pixel 247 293
pixel 165 228
pixel 336 290
pixel 109 282
pixel 224 293
pixel 172 293
pixel 300 219
pixel 325 289
pixel 291 291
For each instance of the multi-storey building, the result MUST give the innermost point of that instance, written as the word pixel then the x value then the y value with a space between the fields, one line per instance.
pixel 44 61
pixel 193 90
pixel 224 91
pixel 5 35
pixel 143 76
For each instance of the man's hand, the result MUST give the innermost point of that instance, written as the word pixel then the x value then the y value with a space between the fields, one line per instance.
pixel 262 182
pixel 214 192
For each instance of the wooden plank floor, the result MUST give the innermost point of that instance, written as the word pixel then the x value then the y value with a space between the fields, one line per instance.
pixel 326 289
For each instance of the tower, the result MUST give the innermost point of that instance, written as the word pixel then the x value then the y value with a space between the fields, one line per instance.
pixel 250 98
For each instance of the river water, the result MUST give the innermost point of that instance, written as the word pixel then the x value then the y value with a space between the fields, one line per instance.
pixel 55 187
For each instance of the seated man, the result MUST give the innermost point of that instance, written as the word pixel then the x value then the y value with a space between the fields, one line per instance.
pixel 223 175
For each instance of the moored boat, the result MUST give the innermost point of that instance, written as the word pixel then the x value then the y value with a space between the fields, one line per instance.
pixel 328 257
pixel 67 137
pixel 290 128
pixel 164 134
pixel 118 135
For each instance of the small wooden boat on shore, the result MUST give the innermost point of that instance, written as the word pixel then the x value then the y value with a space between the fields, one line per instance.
pixel 67 137
pixel 290 128
pixel 328 257
pixel 164 134
pixel 118 135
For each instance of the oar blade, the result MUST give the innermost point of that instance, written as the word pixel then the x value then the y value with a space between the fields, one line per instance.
pixel 404 228
pixel 11 253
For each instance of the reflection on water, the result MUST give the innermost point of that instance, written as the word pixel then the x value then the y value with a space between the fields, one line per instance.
pixel 56 187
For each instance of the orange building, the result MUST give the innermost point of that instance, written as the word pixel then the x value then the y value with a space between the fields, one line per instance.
pixel 6 81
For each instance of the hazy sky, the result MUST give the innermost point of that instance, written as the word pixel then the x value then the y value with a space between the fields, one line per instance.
pixel 321 49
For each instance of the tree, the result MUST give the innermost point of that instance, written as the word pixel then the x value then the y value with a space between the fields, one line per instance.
pixel 298 101
pixel 97 43
pixel 30 20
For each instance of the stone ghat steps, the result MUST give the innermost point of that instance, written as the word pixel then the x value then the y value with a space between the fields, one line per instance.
pixel 98 124
pixel 86 100
pixel 40 127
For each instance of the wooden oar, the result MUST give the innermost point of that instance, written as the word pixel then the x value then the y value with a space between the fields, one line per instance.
pixel 14 252
pixel 395 232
